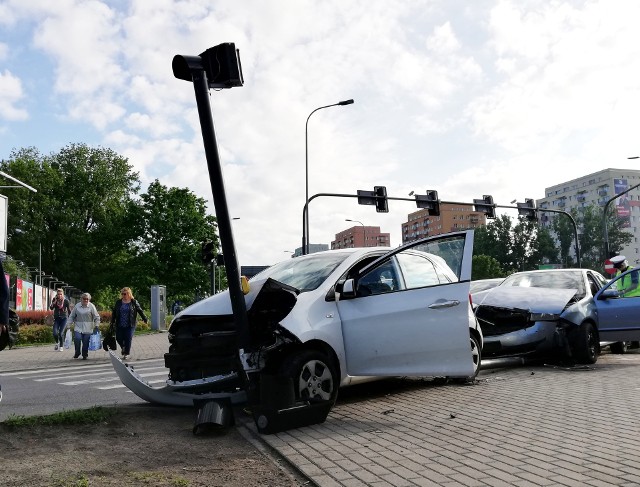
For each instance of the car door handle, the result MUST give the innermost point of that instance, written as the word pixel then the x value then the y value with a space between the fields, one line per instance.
pixel 444 304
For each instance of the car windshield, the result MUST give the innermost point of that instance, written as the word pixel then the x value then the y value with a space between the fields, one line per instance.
pixel 553 280
pixel 304 273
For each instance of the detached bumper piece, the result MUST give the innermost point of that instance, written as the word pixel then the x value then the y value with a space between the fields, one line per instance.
pixel 212 416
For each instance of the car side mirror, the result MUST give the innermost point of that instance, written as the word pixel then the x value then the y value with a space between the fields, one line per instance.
pixel 348 289
pixel 609 293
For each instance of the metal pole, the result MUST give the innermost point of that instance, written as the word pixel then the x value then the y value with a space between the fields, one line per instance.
pixel 305 218
pixel 238 304
pixel 605 229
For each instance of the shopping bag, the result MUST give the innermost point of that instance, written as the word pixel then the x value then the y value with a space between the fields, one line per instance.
pixel 95 342
pixel 67 339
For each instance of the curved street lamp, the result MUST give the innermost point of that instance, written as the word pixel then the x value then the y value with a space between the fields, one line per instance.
pixel 47 277
pixel 305 227
pixel 364 241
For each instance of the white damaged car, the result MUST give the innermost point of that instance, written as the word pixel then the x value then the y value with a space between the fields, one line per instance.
pixel 330 319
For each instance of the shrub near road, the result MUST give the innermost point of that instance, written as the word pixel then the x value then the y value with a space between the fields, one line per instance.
pixel 35 327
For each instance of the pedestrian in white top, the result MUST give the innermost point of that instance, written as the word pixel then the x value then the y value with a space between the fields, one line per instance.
pixel 86 319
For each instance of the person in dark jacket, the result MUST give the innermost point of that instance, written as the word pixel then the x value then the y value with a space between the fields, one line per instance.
pixel 61 311
pixel 124 319
pixel 4 313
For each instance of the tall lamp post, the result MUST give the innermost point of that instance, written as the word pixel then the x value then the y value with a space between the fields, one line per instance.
pixel 364 241
pixel 605 227
pixel 305 227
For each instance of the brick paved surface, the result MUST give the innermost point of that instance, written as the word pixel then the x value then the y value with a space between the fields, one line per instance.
pixel 523 426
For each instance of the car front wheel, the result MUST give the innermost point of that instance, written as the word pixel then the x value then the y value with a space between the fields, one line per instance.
pixel 585 343
pixel 314 377
pixel 476 355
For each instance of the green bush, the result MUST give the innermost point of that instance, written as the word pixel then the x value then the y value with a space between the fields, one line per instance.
pixel 35 329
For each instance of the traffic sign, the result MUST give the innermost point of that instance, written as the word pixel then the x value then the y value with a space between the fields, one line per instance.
pixel 608 267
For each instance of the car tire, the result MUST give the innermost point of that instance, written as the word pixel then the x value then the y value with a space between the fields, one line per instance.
pixel 314 376
pixel 618 347
pixel 585 343
pixel 476 353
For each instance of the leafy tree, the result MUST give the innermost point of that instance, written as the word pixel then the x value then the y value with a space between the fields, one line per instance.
pixel 494 240
pixel 171 224
pixel 77 215
pixel 485 267
pixel 589 221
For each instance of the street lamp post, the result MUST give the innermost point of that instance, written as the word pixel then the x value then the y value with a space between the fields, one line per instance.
pixel 305 226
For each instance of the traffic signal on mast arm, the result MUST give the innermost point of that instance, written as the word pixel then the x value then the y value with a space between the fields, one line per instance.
pixel 382 204
pixel 527 209
pixel 486 206
pixel 206 252
pixel 376 197
pixel 429 201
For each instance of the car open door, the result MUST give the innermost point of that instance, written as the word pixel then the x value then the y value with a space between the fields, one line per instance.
pixel 618 314
pixel 420 328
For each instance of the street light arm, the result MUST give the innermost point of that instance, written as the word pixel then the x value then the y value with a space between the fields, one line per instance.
pixel 605 229
pixel 305 219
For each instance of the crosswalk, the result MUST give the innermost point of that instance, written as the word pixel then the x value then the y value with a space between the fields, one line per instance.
pixel 99 376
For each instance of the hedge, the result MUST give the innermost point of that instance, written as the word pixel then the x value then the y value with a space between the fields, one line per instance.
pixel 34 327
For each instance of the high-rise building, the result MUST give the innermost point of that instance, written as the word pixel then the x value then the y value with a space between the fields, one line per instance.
pixel 453 217
pixel 361 236
pixel 598 189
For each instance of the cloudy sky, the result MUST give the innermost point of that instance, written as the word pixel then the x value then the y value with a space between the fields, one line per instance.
pixel 463 97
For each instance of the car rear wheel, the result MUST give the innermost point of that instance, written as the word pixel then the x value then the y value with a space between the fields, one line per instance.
pixel 585 344
pixel 314 377
pixel 618 347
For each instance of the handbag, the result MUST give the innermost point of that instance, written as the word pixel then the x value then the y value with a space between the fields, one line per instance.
pixel 109 342
pixel 67 338
pixel 95 342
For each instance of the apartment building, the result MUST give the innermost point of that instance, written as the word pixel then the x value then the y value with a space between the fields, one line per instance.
pixel 361 236
pixel 598 189
pixel 453 217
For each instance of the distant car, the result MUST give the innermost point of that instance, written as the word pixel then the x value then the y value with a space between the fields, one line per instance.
pixel 331 319
pixel 545 312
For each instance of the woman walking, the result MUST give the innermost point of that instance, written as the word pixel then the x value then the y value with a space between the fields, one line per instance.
pixel 61 310
pixel 86 319
pixel 123 317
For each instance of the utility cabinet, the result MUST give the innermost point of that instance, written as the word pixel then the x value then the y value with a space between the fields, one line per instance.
pixel 158 306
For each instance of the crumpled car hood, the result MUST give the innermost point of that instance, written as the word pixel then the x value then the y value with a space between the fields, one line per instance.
pixel 220 304
pixel 533 299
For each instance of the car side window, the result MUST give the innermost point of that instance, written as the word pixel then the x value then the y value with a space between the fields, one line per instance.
pixel 418 271
pixel 382 279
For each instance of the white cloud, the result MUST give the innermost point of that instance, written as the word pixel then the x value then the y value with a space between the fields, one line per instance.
pixel 11 94
pixel 467 101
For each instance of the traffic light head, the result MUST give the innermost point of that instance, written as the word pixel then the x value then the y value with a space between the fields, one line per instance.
pixel 527 209
pixel 486 206
pixel 382 205
pixel 206 251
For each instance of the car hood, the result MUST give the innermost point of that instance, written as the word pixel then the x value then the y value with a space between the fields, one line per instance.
pixel 220 303
pixel 533 299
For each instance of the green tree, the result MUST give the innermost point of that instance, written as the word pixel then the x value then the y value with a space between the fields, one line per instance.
pixel 485 267
pixel 589 222
pixel 171 224
pixel 77 217
pixel 494 240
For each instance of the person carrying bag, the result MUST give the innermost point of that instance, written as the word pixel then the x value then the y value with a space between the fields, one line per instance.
pixel 123 319
pixel 86 319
